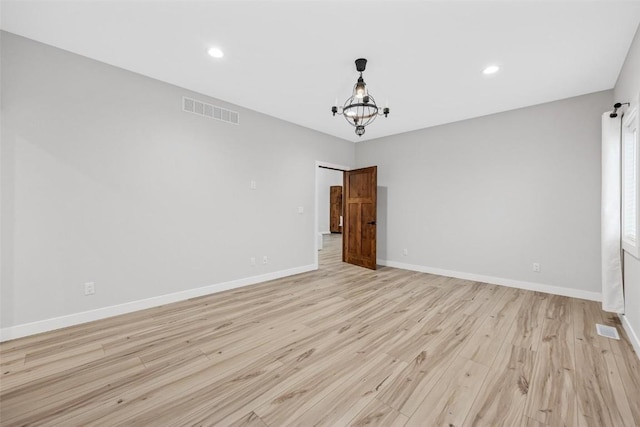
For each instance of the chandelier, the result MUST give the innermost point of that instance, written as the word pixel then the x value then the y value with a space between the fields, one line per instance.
pixel 360 109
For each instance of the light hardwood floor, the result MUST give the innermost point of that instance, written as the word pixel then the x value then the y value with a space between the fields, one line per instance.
pixel 339 346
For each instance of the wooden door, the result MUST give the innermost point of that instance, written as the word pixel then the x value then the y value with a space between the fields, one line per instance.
pixel 335 208
pixel 359 222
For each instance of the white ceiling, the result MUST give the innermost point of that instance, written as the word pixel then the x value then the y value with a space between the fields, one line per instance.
pixel 292 59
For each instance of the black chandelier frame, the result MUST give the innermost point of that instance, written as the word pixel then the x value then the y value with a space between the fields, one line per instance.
pixel 360 109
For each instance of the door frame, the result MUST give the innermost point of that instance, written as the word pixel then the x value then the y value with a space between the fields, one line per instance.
pixel 317 203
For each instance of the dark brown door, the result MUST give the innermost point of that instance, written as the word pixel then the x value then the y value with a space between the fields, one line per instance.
pixel 335 208
pixel 359 222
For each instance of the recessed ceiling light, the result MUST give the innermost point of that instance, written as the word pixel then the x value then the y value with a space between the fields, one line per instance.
pixel 216 52
pixel 491 69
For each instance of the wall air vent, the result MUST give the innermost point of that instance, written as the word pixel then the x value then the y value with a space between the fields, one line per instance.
pixel 200 108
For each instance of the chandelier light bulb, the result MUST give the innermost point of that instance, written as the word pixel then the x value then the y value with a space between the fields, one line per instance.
pixel 361 90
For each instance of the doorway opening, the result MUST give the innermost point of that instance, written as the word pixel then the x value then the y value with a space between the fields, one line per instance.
pixel 328 213
pixel 357 224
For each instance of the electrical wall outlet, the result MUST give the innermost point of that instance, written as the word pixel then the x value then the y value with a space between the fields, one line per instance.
pixel 536 267
pixel 253 261
pixel 89 288
pixel 253 184
pixel 265 260
pixel 405 252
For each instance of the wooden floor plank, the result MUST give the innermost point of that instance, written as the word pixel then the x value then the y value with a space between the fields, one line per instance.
pixel 56 393
pixel 434 354
pixel 585 316
pixel 352 395
pixel 126 394
pixel 501 400
pixel 321 368
pixel 483 345
pixel 527 328
pixel 185 401
pixel 601 399
pixel 294 402
pixel 552 392
pixel 380 414
pixel 250 420
pixel 448 403
pixel 629 368
pixel 44 367
pixel 559 308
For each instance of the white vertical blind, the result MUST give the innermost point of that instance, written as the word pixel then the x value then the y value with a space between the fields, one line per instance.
pixel 630 151
pixel 630 186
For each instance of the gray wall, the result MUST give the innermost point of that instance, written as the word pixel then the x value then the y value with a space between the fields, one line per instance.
pixel 106 179
pixel 326 178
pixel 491 196
pixel 627 89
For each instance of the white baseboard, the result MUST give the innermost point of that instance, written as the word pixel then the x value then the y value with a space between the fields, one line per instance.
pixel 26 329
pixel 46 325
pixel 530 286
pixel 633 336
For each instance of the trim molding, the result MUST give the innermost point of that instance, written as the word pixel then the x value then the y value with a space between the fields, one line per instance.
pixel 530 286
pixel 26 329
pixel 633 336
